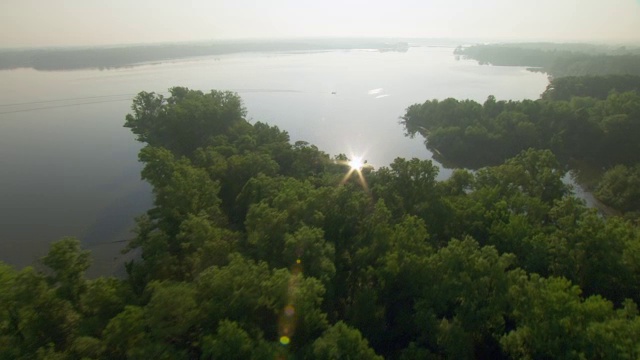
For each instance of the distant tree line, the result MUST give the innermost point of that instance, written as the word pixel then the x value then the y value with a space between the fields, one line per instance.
pixel 257 248
pixel 128 55
pixel 558 61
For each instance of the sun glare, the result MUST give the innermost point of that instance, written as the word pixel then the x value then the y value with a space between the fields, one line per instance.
pixel 356 163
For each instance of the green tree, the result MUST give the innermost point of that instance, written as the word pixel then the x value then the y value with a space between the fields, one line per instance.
pixel 535 173
pixel 620 188
pixel 410 187
pixel 232 342
pixel 342 342
pixel 102 299
pixel 250 294
pixel 68 262
pixel 462 306
pixel 37 317
pixel 554 321
pixel 185 121
pixel 125 334
pixel 307 245
pixel 204 244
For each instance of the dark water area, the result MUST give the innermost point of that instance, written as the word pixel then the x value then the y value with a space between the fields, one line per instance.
pixel 69 168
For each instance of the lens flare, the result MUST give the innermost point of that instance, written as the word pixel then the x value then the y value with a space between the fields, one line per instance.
pixel 289 310
pixel 288 317
pixel 356 163
pixel 284 340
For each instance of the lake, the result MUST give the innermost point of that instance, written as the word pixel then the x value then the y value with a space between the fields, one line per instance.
pixel 69 167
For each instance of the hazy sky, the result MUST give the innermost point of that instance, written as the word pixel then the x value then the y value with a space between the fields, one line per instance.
pixel 89 22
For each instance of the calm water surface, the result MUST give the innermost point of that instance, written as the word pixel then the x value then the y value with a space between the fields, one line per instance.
pixel 69 168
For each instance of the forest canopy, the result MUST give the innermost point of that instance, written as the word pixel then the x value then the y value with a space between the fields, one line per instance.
pixel 583 120
pixel 257 248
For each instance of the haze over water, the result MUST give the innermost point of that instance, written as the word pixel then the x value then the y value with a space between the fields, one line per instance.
pixel 90 23
pixel 70 168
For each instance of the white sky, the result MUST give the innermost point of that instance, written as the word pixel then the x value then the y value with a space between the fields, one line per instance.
pixel 92 22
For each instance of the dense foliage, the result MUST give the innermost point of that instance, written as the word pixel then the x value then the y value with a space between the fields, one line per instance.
pixel 257 248
pixel 601 132
pixel 620 188
pixel 598 87
pixel 596 126
pixel 558 61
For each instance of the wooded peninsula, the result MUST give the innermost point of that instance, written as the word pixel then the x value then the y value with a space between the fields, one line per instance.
pixel 257 248
pixel 591 122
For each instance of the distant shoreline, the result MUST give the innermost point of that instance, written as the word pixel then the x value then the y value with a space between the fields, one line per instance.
pixel 109 57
